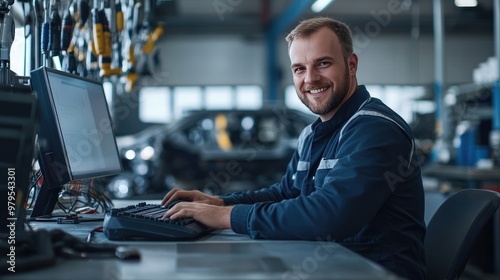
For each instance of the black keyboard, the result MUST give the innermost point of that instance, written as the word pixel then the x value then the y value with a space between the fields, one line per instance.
pixel 143 221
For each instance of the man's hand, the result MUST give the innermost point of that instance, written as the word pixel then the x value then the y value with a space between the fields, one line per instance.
pixel 195 196
pixel 216 217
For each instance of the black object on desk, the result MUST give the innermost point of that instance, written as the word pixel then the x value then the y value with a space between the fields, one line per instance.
pixel 40 249
pixel 19 117
pixel 144 221
pixel 75 114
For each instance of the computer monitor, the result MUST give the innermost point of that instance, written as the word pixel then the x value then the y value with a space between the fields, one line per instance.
pixel 76 138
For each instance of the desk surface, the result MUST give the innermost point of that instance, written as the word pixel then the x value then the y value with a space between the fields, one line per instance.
pixel 220 255
pixel 462 172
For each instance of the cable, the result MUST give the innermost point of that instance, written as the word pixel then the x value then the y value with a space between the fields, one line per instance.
pixel 93 199
pixel 34 180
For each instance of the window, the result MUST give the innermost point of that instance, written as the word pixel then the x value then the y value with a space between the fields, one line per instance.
pixel 186 99
pixel 218 97
pixel 248 97
pixel 402 99
pixel 154 105
pixel 165 104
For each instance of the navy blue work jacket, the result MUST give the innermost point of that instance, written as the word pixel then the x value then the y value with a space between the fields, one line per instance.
pixel 355 180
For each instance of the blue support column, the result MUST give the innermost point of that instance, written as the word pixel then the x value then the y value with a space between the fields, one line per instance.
pixel 496 85
pixel 276 29
pixel 439 71
pixel 496 105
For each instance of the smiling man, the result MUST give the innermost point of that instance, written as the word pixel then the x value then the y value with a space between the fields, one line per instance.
pixel 354 178
pixel 324 73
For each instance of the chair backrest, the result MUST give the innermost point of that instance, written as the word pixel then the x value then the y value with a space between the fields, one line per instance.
pixel 452 231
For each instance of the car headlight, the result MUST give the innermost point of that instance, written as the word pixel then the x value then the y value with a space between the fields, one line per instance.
pixel 121 187
pixel 147 153
pixel 130 154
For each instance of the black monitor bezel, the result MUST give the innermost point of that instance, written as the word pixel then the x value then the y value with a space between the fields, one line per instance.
pixel 52 154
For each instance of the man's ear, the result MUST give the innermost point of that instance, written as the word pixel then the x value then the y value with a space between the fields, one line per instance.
pixel 353 63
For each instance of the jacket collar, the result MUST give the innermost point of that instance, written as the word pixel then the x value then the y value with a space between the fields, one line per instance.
pixel 349 108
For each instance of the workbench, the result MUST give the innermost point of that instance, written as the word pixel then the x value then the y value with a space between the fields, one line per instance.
pixel 219 255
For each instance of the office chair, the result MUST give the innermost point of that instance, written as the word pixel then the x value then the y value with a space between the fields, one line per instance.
pixel 452 231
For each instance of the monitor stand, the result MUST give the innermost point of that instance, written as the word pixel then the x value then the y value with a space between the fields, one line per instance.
pixel 45 201
pixel 48 193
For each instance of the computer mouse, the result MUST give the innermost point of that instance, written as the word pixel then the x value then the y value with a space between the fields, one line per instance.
pixel 127 253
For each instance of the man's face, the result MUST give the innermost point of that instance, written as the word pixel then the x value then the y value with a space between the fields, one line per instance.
pixel 323 78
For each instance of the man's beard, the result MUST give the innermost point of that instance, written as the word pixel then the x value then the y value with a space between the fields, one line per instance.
pixel 334 100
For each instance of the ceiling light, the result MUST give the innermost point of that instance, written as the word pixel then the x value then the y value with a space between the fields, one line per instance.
pixel 319 5
pixel 465 3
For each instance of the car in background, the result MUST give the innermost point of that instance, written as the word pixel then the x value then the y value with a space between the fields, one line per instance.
pixel 211 151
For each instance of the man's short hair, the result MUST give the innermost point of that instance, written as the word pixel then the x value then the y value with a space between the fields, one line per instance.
pixel 307 27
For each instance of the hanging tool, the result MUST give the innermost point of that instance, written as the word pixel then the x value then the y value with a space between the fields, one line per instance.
pixel 45 33
pixel 105 56
pixel 38 13
pixel 7 29
pixel 136 19
pixel 154 29
pixel 83 10
pixel 152 38
pixel 144 32
pixel 54 45
pixel 116 28
pixel 131 74
pixel 73 25
pixel 119 16
pixel 102 42
pixel 78 46
pixel 97 29
pixel 68 24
